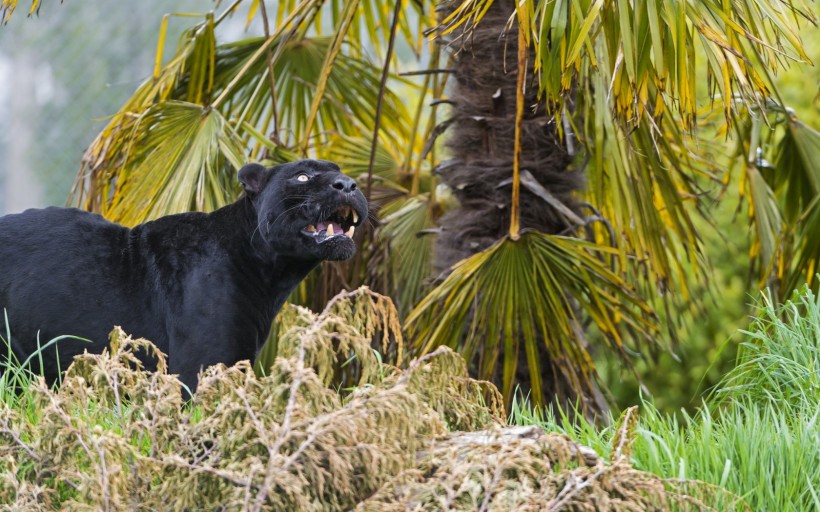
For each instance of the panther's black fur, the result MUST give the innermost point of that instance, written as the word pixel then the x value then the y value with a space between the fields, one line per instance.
pixel 204 287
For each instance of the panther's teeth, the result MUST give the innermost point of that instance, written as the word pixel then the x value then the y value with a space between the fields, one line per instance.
pixel 330 230
pixel 355 216
pixel 350 231
pixel 311 228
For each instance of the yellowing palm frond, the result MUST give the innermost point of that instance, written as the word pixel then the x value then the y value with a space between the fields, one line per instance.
pixel 201 72
pixel 648 186
pixel 181 157
pixel 370 21
pixel 647 48
pixel 522 295
pixel 7 8
pixel 796 178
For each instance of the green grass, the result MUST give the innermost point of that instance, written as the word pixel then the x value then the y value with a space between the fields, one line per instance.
pixel 765 455
pixel 779 363
pixel 16 376
pixel 757 434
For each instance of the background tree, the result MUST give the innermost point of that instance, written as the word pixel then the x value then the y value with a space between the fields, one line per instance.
pixel 610 91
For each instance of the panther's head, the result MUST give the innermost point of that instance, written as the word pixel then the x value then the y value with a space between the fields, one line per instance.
pixel 307 209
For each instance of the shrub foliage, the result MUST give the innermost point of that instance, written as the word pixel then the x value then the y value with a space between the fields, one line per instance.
pixel 114 436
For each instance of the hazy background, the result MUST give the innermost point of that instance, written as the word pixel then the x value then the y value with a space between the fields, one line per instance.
pixel 62 73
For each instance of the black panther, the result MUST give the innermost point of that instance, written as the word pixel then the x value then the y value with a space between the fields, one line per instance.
pixel 204 287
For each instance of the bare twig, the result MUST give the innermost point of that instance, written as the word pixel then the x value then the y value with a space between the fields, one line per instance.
pixel 382 87
pixel 275 134
pixel 6 429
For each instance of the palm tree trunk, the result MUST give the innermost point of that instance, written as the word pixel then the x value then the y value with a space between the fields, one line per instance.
pixel 481 145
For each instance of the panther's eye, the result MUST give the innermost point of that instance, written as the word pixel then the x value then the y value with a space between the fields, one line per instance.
pixel 302 177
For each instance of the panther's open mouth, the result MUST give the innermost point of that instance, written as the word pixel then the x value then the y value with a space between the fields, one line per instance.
pixel 341 222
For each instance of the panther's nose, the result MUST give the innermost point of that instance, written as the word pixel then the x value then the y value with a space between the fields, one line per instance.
pixel 344 184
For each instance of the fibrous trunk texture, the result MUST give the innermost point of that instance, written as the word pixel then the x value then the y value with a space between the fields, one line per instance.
pixel 481 144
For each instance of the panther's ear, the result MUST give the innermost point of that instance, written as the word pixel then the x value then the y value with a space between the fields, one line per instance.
pixel 253 177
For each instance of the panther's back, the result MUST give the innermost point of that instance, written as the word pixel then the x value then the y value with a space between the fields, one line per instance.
pixel 49 258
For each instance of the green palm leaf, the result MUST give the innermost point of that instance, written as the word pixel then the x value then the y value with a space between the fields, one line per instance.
pixel 180 158
pixel 797 180
pixel 350 96
pixel 411 253
pixel 353 154
pixel 517 295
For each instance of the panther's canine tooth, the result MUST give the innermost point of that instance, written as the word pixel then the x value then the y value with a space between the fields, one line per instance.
pixel 350 231
pixel 330 230
pixel 355 216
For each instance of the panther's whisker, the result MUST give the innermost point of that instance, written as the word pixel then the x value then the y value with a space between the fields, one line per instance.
pixel 372 220
pixel 300 205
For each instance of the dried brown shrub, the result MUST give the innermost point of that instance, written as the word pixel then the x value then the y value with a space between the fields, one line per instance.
pixel 117 437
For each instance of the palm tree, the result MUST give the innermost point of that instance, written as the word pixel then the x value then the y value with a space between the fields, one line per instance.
pixel 582 137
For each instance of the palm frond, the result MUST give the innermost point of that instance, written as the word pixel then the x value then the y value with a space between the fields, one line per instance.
pixel 648 186
pixel 797 180
pixel 233 73
pixel 781 182
pixel 404 222
pixel 370 20
pixel 179 158
pixel 391 177
pixel 648 50
pixel 350 99
pixel 352 153
pixel 767 221
pixel 517 295
pixel 299 65
pixel 334 48
pixel 7 8
pixel 108 153
pixel 469 12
